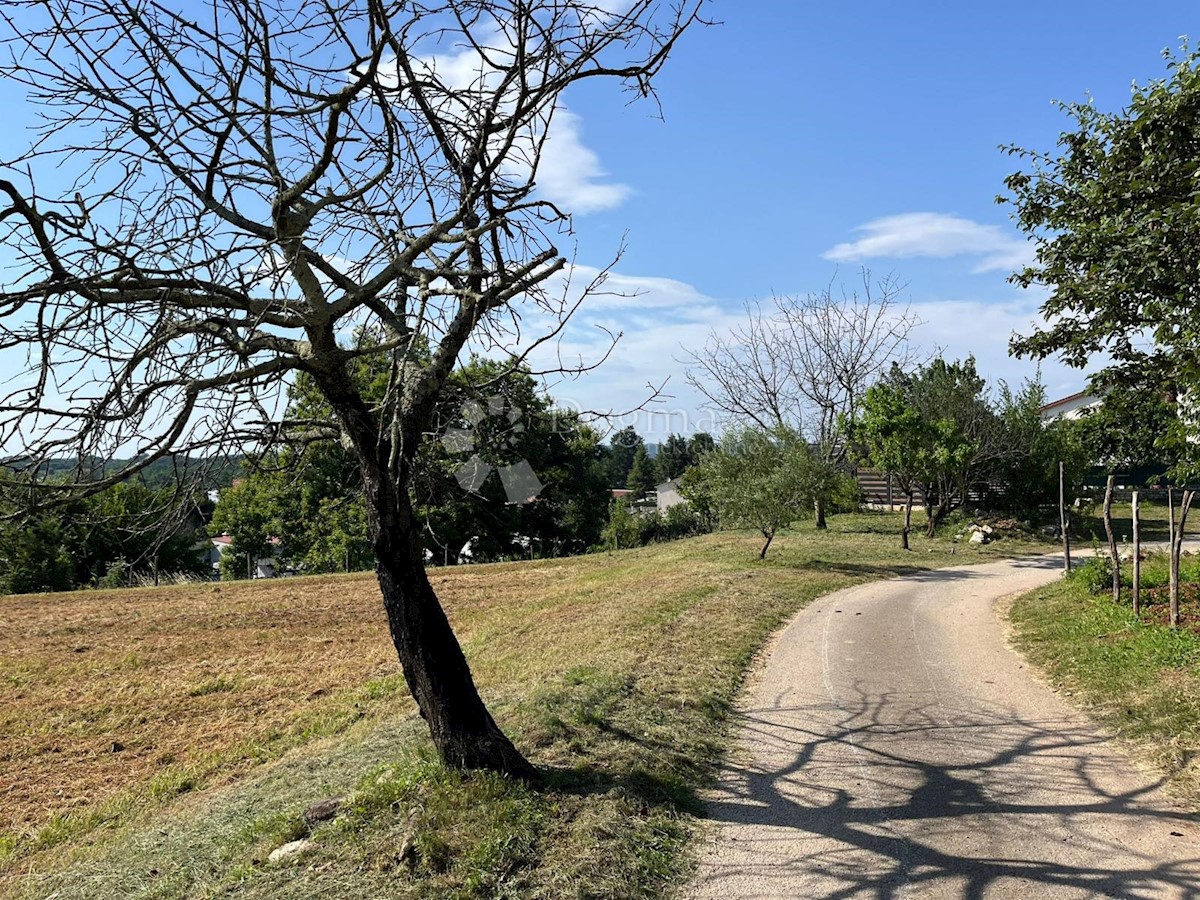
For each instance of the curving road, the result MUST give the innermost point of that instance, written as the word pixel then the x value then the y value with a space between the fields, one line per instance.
pixel 895 747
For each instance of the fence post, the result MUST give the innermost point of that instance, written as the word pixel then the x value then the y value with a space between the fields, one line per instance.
pixel 1137 556
pixel 1063 518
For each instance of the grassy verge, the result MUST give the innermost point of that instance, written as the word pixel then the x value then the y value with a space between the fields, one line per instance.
pixel 1140 678
pixel 614 672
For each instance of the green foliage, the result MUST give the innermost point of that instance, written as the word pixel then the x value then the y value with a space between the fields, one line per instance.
pixel 311 499
pixel 933 429
pixel 627 528
pixel 1112 216
pixel 1135 426
pixel 674 457
pixel 1094 575
pixel 623 530
pixel 763 480
pixel 643 474
pixel 36 556
pixel 125 531
pixel 1027 469
pixel 622 448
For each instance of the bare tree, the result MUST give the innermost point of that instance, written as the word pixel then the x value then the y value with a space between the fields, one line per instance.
pixel 256 188
pixel 808 362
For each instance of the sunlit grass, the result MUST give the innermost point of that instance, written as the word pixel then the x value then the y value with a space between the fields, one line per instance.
pixel 613 672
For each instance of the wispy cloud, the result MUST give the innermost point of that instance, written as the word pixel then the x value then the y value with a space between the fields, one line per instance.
pixel 569 172
pixel 936 235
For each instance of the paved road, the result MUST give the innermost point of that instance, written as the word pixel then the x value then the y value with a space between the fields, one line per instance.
pixel 895 747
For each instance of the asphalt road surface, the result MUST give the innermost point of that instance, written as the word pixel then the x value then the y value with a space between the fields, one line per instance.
pixel 894 746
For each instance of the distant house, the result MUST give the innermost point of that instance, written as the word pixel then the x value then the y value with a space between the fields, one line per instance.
pixel 1072 407
pixel 668 495
pixel 266 567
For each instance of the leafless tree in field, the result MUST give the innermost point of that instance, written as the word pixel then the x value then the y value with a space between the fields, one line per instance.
pixel 237 191
pixel 807 361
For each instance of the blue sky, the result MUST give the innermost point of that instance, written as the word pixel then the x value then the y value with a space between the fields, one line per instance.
pixel 803 141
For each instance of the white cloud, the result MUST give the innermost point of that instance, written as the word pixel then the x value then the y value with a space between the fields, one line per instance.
pixel 656 318
pixel 569 172
pixel 662 318
pixel 961 328
pixel 937 235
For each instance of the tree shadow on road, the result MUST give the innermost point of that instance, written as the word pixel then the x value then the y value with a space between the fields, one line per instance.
pixel 883 798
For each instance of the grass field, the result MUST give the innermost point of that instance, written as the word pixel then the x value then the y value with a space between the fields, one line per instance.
pixel 160 742
pixel 1139 677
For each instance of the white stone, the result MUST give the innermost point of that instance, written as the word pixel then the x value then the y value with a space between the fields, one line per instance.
pixel 289 851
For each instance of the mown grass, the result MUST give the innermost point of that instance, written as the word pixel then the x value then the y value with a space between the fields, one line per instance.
pixel 1139 677
pixel 614 672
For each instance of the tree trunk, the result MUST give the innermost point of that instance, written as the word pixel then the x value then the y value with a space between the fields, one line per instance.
pixel 1185 504
pixel 1114 555
pixel 936 513
pixel 1137 556
pixel 819 505
pixel 434 667
pixel 908 505
pixel 770 536
pixel 1064 518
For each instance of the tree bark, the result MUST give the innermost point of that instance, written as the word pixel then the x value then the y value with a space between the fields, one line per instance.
pixel 1114 555
pixel 770 536
pixel 1185 504
pixel 434 667
pixel 908 506
pixel 819 505
pixel 1137 556
pixel 936 514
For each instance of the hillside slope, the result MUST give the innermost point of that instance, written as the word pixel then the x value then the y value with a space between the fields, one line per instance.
pixel 161 742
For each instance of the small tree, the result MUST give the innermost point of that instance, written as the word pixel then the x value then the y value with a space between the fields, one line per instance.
pixel 806 363
pixel 894 438
pixel 759 479
pixel 951 399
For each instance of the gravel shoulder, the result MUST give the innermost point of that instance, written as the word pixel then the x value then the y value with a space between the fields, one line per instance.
pixel 894 746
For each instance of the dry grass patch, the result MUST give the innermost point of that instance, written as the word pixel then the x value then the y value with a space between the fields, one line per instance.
pixel 109 690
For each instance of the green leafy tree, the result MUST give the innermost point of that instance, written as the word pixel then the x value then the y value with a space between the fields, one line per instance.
pixel 643 474
pixel 951 398
pixel 1027 469
pixel 622 448
pixel 759 479
pixel 1112 218
pixel 936 428
pixel 252 512
pixel 891 435
pixel 674 457
pixel 36 556
pixel 699 444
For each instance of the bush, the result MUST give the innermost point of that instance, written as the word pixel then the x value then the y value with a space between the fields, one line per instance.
pixel 1094 574
pixel 627 528
pixel 117 575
